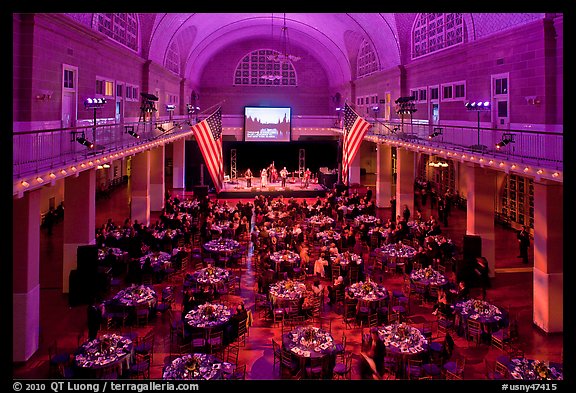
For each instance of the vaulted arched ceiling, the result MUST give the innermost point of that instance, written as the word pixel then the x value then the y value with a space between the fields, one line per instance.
pixel 332 38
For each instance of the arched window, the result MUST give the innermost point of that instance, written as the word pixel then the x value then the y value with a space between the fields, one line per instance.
pixel 263 67
pixel 366 63
pixel 121 27
pixel 435 31
pixel 172 61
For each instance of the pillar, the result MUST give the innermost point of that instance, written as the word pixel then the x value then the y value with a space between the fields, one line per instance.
pixel 482 191
pixel 548 256
pixel 79 220
pixel 405 176
pixel 383 175
pixel 179 163
pixel 157 186
pixel 140 186
pixel 26 275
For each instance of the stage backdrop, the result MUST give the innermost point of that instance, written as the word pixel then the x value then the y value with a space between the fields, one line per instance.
pixel 258 155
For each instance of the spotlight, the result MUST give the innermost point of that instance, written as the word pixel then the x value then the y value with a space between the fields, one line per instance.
pixel 170 107
pixel 94 102
pixel 477 105
pixel 83 141
pixel 506 139
pixel 133 133
pixel 437 131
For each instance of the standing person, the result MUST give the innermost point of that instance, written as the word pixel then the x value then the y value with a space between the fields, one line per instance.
pixel 49 220
pixel 524 243
pixel 481 271
pixel 264 177
pixel 406 213
pixel 248 175
pixel 95 315
pixel 393 208
pixel 283 176
pixel 307 174
pixel 374 357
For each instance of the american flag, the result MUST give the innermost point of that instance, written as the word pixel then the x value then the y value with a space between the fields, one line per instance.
pixel 208 134
pixel 355 128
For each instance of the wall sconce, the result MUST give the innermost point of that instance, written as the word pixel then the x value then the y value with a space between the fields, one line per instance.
pixel 532 100
pixel 506 139
pixel 44 95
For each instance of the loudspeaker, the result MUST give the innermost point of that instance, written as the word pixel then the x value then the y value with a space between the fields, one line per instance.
pixel 87 259
pixel 200 191
pixel 80 290
pixel 472 247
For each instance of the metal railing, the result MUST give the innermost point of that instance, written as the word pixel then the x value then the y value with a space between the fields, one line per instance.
pixel 544 149
pixel 36 151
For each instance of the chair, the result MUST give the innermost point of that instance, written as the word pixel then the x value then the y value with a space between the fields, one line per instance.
pixel 239 372
pixel 339 296
pixel 215 342
pixel 185 348
pixel 325 323
pixel 372 320
pixel 142 313
pixel 362 311
pixel 141 368
pixel 145 345
pixel 490 370
pixel 500 338
pixel 414 368
pixel 335 271
pixel 287 363
pixel 340 348
pixel 473 331
pixel 277 350
pixel 450 376
pixel 353 274
pixel 427 330
pixel 57 358
pixel 232 354
pixel 316 368
pixel 455 366
pixel 444 324
pixel 242 332
pixel 166 300
pixel 343 369
pixel 349 315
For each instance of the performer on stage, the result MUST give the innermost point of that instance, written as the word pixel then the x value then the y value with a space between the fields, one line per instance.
pixel 283 176
pixel 264 176
pixel 272 173
pixel 248 175
pixel 307 174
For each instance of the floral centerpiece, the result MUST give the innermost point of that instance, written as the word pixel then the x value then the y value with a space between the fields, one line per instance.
pixel 208 310
pixel 428 272
pixel 191 363
pixel 288 285
pixel 209 270
pixel 541 369
pixel 368 287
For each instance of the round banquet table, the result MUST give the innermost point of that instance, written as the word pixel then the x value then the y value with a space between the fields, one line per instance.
pixel 208 316
pixel 397 251
pixel 428 276
pixel 522 368
pixel 345 259
pixel 320 221
pixel 222 246
pixel 158 260
pixel 109 350
pixel 328 236
pixel 208 276
pixel 491 317
pixel 366 219
pixel 306 342
pixel 368 291
pixel 284 257
pixel 198 366
pixel 286 290
pixel 136 295
pixel 403 339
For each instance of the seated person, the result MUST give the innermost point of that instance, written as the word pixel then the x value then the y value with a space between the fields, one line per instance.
pixel 317 287
pixel 338 284
pixel 442 305
pixel 461 293
pixel 235 320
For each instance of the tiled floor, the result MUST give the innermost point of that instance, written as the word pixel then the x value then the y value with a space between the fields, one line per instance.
pixel 511 288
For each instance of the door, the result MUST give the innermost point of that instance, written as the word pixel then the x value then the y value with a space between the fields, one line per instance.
pixel 387 105
pixel 500 101
pixel 68 110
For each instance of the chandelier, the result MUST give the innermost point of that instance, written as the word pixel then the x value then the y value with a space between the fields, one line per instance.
pixel 280 57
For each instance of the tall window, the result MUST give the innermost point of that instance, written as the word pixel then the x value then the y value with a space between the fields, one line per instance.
pixel 69 79
pixel 436 31
pixel 366 63
pixel 121 27
pixel 173 59
pixel 259 68
pixel 517 200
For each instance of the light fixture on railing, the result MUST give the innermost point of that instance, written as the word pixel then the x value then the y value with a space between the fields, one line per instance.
pixel 437 131
pixel 438 164
pixel 39 179
pixel 52 175
pixel 25 184
pixel 130 131
pixel 83 141
pixel 506 139
pixel 106 166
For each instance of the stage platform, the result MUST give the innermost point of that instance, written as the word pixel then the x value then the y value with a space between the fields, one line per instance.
pixel 238 189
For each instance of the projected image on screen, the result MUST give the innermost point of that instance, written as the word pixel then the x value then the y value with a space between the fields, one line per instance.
pixel 267 124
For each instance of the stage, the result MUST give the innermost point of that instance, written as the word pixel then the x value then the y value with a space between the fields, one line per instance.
pixel 237 189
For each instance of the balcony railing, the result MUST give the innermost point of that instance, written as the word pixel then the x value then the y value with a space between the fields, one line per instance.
pixel 36 151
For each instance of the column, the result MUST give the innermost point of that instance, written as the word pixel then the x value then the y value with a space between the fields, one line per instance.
pixel 26 275
pixel 405 175
pixel 383 175
pixel 482 190
pixel 548 256
pixel 157 187
pixel 354 170
pixel 140 186
pixel 79 220
pixel 179 163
